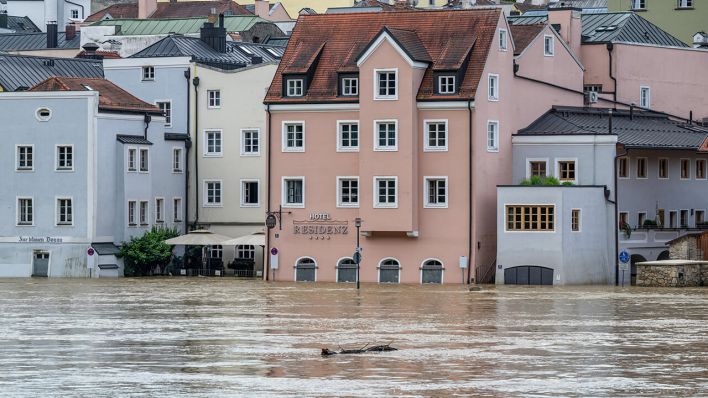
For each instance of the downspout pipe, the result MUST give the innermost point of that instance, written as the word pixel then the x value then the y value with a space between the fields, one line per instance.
pixel 610 47
pixel 187 145
pixel 471 201
pixel 147 119
pixel 268 191
pixel 195 83
pixel 616 202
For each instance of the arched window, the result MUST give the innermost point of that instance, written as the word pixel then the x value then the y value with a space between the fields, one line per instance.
pixel 346 270
pixel 431 271
pixel 305 269
pixel 389 271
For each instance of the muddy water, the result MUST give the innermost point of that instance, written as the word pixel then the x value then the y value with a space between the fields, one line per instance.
pixel 202 337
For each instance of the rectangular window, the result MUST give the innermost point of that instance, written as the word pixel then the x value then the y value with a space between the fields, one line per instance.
pixel 537 168
pixel 347 191
pixel 435 192
pixel 386 137
pixel 594 88
pixel 685 3
pixel 250 142
pixel 566 170
pixel 293 136
pixel 660 217
pixel 214 97
pixel 623 219
pixel 623 167
pixel 641 218
pixel 65 157
pixel 530 218
pixel 144 212
pixel 386 82
pixel 25 211
pixel 176 160
pixel 212 193
pixel 159 210
pixel 700 217
pixel 575 220
pixel 645 97
pixel 641 167
pixel 246 252
pixel 177 209
pixel 446 85
pixel 294 192
pixel 295 87
pixel 435 135
pixel 386 194
pixel 683 218
pixel 25 157
pixel 132 209
pixel 148 73
pixel 166 108
pixel 493 93
pixel 492 136
pixel 350 86
pixel 700 169
pixel 64 212
pixel 132 159
pixel 685 169
pixel 673 219
pixel 548 45
pixel 144 159
pixel 639 4
pixel 249 193
pixel 74 14
pixel 502 39
pixel 212 144
pixel 663 168
pixel 347 136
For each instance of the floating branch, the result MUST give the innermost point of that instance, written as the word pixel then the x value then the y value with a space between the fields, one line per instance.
pixel 326 352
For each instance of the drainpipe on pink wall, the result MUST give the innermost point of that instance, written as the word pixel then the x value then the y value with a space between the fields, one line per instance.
pixel 267 246
pixel 610 47
pixel 469 246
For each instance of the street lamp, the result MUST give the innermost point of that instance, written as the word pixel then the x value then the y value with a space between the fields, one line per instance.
pixel 357 252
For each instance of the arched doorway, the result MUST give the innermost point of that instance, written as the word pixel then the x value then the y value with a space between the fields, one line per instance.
pixel 663 256
pixel 431 271
pixel 305 270
pixel 633 260
pixel 528 275
pixel 389 271
pixel 346 270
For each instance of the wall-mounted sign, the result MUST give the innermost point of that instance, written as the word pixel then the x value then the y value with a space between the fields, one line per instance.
pixel 39 239
pixel 320 226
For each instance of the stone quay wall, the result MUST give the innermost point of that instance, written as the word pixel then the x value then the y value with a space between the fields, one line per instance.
pixel 687 275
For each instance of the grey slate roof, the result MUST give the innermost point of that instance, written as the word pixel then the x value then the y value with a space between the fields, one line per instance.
pixel 24 71
pixel 583 4
pixel 237 54
pixel 21 24
pixel 35 41
pixel 622 27
pixel 644 129
pixel 132 139
pixel 105 248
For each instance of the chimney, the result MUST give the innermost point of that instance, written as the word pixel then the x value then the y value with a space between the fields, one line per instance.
pixel 52 35
pixel 262 8
pixel 90 51
pixel 3 20
pixel 569 25
pixel 256 59
pixel 70 32
pixel 146 8
pixel 214 37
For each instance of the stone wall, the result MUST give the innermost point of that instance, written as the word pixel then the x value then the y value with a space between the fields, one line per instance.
pixel 672 275
pixel 685 248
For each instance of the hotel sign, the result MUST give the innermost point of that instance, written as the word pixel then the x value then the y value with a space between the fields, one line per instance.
pixel 320 226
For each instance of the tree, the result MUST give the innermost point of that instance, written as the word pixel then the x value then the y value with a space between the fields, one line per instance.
pixel 142 254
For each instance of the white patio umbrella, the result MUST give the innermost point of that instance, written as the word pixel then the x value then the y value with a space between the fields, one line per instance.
pixel 199 237
pixel 255 239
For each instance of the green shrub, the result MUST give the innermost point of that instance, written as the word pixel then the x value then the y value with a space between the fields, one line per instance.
pixel 537 180
pixel 551 181
pixel 567 183
pixel 650 223
pixel 142 254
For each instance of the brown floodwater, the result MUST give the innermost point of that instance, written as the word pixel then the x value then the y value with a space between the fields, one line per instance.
pixel 214 337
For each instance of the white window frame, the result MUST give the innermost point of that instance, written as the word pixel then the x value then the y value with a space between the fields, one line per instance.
pixel 215 102
pixel 177 159
pixel 426 190
pixel 549 45
pixel 147 77
pixel 389 97
pixel 639 5
pixel 355 86
pixel 205 142
pixel 695 216
pixel 503 36
pixel 705 169
pixel 386 148
pixel 375 195
pixel 292 90
pixel 57 211
pixel 205 187
pixel 684 4
pixel 74 11
pixel 159 210
pixel 580 219
pixel 340 204
pixel 18 211
pixel 177 209
pixel 378 270
pixel 495 147
pixel 690 168
pixel 17 158
pixel 426 135
pixel 687 212
pixel 243 192
pixel 284 136
pixel 646 168
pixel 528 167
pixel 168 114
pixel 676 217
pixel 140 160
pixel 441 85
pixel 284 193
pixel 658 168
pixel 136 159
pixel 645 101
pixel 147 213
pixel 342 148
pixel 629 167
pixel 56 158
pixel 639 213
pixel 493 95
pixel 557 169
pixel 243 141
pixel 134 220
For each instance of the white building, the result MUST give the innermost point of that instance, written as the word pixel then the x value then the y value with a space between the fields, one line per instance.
pixel 63 12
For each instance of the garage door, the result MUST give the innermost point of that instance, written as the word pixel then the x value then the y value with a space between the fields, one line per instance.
pixel 528 275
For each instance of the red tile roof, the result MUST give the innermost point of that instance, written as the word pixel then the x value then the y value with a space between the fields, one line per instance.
pixel 104 54
pixel 110 96
pixel 523 35
pixel 168 9
pixel 446 35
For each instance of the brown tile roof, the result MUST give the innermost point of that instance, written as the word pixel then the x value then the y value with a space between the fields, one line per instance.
pixel 523 35
pixel 104 54
pixel 110 96
pixel 447 36
pixel 410 42
pixel 168 9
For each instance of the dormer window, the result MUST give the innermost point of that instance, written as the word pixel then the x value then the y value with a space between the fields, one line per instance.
pixel 350 86
pixel 446 84
pixel 386 84
pixel 295 87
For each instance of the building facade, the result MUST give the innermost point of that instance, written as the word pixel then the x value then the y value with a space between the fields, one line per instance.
pixel 681 18
pixel 61 12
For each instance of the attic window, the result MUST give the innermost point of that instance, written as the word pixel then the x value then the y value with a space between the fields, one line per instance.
pixel 350 86
pixel 246 50
pixel 548 46
pixel 87 87
pixel 273 53
pixel 609 28
pixel 295 87
pixel 446 84
pixel 44 114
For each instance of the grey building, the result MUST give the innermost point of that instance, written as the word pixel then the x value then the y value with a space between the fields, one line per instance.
pixel 632 182
pixel 21 72
pixel 85 165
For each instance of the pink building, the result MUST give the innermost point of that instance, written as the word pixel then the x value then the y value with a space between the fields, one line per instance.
pixel 403 120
